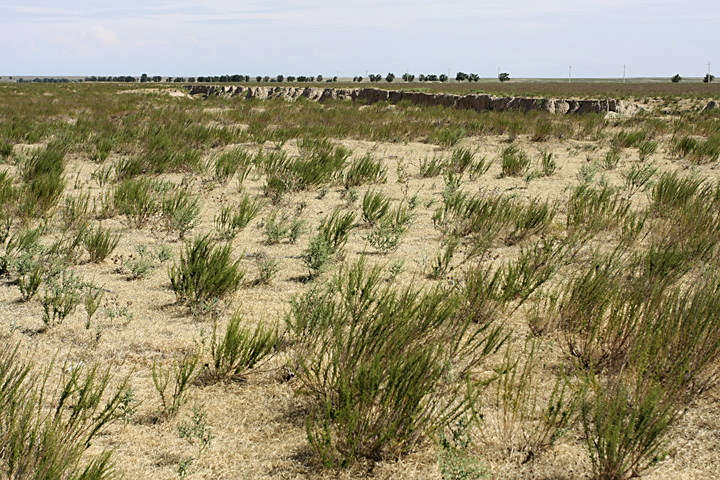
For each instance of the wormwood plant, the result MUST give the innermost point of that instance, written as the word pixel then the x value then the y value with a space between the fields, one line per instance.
pixel 228 163
pixel 41 442
pixel 282 226
pixel 205 272
pixel 365 405
pixel 63 293
pixel 524 422
pixel 232 220
pixel 45 183
pixel 172 384
pixel 181 211
pixel 100 243
pixel 240 349
pixel 375 205
pixel 363 170
pixel 515 161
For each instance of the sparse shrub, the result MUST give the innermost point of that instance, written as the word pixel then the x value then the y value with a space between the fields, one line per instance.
pixel 365 170
pixel 100 243
pixel 181 211
pixel 543 129
pixel 647 148
pixel 47 431
pixel 240 349
pixel 523 420
pixel 367 406
pixel 638 178
pixel 232 220
pixel 676 78
pixel 63 293
pixel 172 384
pixel 205 272
pixel 375 206
pixel 43 172
pixel 267 266
pixel 74 211
pixel 515 162
pixel 281 228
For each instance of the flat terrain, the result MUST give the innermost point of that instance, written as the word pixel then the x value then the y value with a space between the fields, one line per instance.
pixel 557 198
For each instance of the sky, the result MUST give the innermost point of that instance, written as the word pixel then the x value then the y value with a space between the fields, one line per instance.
pixel 526 38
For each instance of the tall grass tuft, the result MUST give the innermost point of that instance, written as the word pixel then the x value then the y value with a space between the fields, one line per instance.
pixel 363 170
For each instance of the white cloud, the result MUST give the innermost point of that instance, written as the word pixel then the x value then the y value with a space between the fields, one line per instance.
pixel 105 36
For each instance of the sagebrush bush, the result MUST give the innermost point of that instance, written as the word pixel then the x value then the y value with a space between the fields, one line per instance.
pixel 42 442
pixel 515 161
pixel 240 349
pixel 100 243
pixel 366 406
pixel 205 272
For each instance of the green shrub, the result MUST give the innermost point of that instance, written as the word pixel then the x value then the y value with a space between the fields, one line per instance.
pixel 335 229
pixel 100 243
pixel 172 384
pixel 365 170
pixel 181 211
pixel 375 206
pixel 45 183
pixel 515 162
pixel 284 227
pixel 367 406
pixel 136 199
pixel 228 163
pixel 47 432
pixel 432 168
pixel 232 220
pixel 240 349
pixel 205 272
pixel 461 159
pixel 625 427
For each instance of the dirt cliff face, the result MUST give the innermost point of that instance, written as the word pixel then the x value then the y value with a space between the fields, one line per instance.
pixel 478 102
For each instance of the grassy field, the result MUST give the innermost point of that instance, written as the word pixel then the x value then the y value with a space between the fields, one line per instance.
pixel 230 288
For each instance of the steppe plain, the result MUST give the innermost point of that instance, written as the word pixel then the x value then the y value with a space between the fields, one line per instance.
pixel 535 201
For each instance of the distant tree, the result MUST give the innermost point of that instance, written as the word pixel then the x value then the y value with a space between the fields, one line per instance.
pixel 319 78
pixel 290 78
pixel 474 77
pixel 676 78
pixel 408 77
pixel 191 79
pixel 443 78
pixel 504 77
pixel 431 78
pixel 280 78
pixel 157 79
pixel 461 76
pixel 143 78
pixel 258 78
pixel 334 79
pixel 708 78
pixel 421 78
pixel 390 77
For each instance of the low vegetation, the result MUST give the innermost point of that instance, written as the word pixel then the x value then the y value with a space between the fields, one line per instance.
pixel 479 294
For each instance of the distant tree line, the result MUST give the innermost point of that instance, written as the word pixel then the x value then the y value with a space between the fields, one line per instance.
pixel 43 80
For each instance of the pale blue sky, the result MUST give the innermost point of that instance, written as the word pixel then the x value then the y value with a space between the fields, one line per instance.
pixel 268 37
